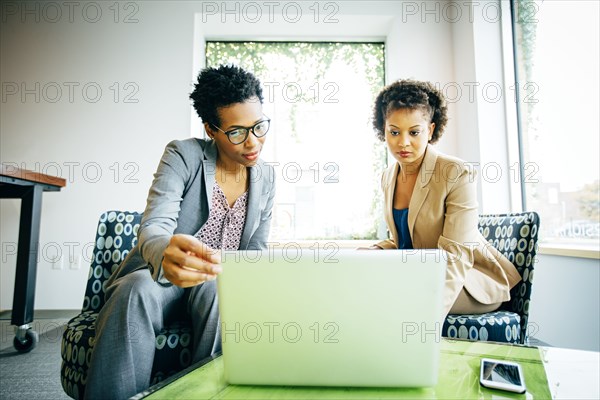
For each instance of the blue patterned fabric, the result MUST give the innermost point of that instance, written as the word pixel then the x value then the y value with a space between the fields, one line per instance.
pixel 515 236
pixel 115 237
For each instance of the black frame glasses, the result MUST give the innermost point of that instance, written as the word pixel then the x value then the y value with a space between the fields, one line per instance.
pixel 242 133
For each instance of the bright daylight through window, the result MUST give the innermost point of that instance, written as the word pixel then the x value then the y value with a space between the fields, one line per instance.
pixel 319 97
pixel 557 45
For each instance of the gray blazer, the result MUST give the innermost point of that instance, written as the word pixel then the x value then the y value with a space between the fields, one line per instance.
pixel 179 201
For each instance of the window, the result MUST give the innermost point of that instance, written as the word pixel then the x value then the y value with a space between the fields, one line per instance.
pixel 328 161
pixel 556 53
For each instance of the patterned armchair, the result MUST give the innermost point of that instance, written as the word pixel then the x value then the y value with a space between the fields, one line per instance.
pixel 515 235
pixel 115 237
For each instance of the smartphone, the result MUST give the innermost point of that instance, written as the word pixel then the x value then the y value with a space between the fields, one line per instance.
pixel 503 375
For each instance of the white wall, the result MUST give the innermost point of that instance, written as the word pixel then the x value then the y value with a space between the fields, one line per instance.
pixel 565 302
pixel 159 55
pixel 479 95
pixel 154 55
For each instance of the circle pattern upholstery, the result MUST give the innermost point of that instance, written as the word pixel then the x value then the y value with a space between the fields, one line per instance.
pixel 515 236
pixel 116 235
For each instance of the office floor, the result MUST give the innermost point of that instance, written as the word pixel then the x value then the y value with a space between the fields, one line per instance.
pixel 45 321
pixel 33 375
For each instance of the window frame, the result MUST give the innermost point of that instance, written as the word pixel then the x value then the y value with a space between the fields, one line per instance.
pixel 515 136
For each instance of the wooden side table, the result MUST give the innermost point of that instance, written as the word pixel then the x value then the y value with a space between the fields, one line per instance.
pixel 17 183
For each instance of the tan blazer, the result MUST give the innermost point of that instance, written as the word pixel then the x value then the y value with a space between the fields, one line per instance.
pixel 443 214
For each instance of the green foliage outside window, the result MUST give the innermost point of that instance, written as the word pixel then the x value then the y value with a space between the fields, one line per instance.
pixel 316 80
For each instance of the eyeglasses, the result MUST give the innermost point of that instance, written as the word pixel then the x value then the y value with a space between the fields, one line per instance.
pixel 239 135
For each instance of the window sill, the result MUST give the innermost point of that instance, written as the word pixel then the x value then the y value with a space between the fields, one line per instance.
pixel 321 244
pixel 570 250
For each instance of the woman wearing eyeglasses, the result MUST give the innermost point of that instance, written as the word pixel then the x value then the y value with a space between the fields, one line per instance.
pixel 207 194
pixel 431 199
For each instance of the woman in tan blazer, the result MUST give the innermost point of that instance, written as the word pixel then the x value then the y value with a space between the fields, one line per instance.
pixel 431 199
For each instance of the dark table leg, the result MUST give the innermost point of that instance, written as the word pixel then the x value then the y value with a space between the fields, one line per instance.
pixel 30 193
pixel 29 236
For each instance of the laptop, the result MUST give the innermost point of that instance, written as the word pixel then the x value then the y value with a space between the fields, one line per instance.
pixel 317 317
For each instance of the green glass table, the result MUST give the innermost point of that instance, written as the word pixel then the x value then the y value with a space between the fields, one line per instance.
pixel 458 378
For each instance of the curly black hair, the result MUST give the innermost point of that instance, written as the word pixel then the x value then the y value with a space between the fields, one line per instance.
pixel 410 94
pixel 220 87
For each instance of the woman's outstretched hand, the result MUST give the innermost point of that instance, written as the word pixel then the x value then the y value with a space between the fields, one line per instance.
pixel 188 262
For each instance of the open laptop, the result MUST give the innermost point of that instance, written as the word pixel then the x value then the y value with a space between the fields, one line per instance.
pixel 315 317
